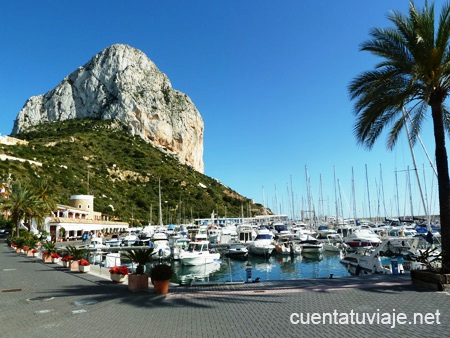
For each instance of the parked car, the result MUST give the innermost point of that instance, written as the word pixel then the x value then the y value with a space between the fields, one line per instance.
pixel 4 232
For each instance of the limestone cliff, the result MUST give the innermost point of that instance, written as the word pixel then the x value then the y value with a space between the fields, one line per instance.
pixel 122 83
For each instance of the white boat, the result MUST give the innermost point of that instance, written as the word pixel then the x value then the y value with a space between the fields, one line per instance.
pixel 334 243
pixel 161 246
pixel 312 246
pixel 180 245
pixel 286 245
pixel 236 250
pixel 263 244
pixel 114 241
pixel 245 233
pixel 362 238
pixel 130 237
pixel 198 253
pixel 227 234
pixel 323 231
pixel 387 258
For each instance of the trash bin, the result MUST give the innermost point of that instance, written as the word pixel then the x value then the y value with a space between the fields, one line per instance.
pixel 394 264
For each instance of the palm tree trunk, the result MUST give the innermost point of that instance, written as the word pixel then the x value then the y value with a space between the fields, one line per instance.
pixel 443 184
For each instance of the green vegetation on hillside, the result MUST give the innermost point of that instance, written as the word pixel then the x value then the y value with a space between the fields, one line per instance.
pixel 101 158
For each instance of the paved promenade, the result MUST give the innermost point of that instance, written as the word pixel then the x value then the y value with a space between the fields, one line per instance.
pixel 46 300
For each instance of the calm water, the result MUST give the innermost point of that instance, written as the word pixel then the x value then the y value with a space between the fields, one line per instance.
pixel 273 268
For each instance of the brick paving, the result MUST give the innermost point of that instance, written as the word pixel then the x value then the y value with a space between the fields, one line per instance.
pixel 46 300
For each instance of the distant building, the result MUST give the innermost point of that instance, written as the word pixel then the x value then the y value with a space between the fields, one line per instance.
pixel 70 222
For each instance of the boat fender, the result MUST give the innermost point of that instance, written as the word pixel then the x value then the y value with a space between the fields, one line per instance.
pixel 357 270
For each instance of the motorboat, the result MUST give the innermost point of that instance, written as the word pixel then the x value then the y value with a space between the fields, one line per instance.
pixel 263 244
pixel 311 246
pixel 392 256
pixel 362 238
pixel 180 245
pixel 286 245
pixel 198 253
pixel 334 243
pixel 129 239
pixel 245 233
pixel 114 241
pixel 323 231
pixel 236 250
pixel 161 246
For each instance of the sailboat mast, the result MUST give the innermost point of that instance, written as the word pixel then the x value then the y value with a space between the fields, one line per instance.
pixel 160 206
pixel 417 174
pixel 368 194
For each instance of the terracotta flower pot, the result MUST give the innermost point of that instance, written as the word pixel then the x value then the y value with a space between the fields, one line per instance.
pixel 73 265
pixel 46 258
pixel 161 286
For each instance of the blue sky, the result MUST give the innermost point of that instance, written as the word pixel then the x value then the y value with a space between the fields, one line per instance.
pixel 269 78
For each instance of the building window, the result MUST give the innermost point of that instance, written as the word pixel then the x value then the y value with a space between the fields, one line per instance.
pixel 79 206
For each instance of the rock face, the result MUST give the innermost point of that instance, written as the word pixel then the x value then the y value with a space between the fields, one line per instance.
pixel 122 83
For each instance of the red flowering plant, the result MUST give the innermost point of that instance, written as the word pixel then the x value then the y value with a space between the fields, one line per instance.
pixel 67 258
pixel 119 270
pixel 84 262
pixel 55 255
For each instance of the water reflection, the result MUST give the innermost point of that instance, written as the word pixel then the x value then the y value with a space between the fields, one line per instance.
pixel 275 267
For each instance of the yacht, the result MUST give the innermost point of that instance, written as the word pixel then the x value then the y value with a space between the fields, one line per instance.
pixel 286 245
pixel 362 238
pixel 392 256
pixel 198 253
pixel 236 250
pixel 161 246
pixel 263 243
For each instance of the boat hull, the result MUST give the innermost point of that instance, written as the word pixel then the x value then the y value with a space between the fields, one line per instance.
pixel 261 250
pixel 191 260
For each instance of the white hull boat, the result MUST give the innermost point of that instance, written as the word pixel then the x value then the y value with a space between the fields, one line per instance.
pixel 198 253
pixel 387 258
pixel 263 243
pixel 286 245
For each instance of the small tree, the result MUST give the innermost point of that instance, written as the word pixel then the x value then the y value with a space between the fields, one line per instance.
pixel 141 257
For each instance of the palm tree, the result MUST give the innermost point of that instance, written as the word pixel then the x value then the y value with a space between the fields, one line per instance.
pixel 25 204
pixel 140 256
pixel 414 73
pixel 47 204
pixel 21 204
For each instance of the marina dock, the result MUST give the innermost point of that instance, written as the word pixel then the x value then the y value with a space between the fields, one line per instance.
pixel 45 300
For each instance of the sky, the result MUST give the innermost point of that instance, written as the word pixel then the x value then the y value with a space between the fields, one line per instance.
pixel 269 78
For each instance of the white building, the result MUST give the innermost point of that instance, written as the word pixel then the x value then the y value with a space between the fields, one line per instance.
pixel 70 222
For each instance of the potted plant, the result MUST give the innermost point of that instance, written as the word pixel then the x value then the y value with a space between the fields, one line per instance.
pixel 55 257
pixel 118 273
pixel 77 254
pixel 84 265
pixel 66 260
pixel 160 276
pixel 31 244
pixel 49 248
pixel 19 242
pixel 139 280
pixel 35 252
pixel 431 277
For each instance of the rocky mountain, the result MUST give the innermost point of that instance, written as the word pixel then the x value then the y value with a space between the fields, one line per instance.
pixel 122 83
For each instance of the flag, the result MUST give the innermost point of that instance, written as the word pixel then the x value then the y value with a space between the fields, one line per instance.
pixel 3 190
